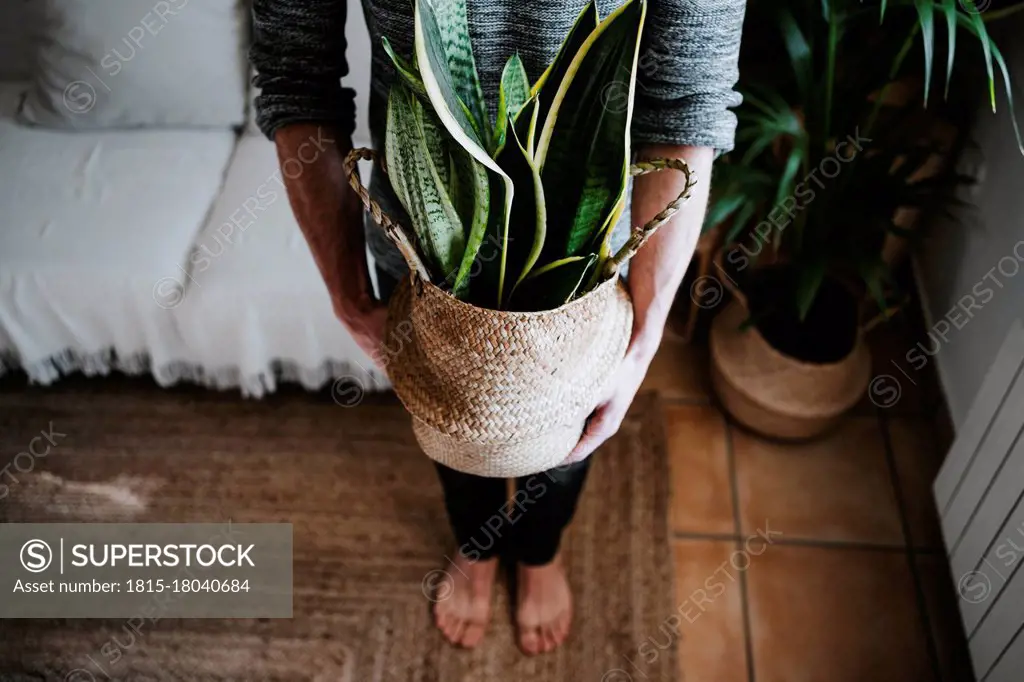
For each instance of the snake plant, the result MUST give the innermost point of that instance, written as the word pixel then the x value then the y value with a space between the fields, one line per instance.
pixel 544 181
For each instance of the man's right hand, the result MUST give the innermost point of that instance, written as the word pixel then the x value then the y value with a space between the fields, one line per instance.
pixel 331 217
pixel 365 324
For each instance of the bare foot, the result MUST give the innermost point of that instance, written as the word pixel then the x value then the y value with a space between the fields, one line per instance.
pixel 545 607
pixel 463 604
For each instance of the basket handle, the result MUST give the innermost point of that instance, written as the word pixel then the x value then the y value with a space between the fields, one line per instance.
pixel 637 238
pixel 640 234
pixel 395 232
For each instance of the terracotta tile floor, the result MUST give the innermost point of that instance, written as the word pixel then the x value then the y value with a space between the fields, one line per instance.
pixel 820 562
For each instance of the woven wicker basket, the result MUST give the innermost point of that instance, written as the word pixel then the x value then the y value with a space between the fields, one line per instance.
pixel 499 393
pixel 776 395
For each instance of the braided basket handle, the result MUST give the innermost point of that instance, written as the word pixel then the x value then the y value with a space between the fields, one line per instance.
pixel 640 234
pixel 637 238
pixel 395 232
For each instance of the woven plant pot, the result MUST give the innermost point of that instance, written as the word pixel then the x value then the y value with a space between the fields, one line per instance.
pixel 777 395
pixel 500 393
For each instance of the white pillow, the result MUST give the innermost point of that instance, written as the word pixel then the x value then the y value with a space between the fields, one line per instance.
pixel 134 63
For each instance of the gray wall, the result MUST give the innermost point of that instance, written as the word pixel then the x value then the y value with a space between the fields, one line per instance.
pixel 976 258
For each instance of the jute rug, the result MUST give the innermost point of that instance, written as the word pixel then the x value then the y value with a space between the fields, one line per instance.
pixel 369 534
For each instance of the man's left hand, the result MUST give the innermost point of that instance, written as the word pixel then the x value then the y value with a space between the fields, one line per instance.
pixel 607 417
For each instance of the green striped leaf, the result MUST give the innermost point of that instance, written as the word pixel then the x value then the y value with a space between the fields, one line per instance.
pixel 455 117
pixel 471 197
pixel 583 150
pixel 513 92
pixel 552 77
pixel 418 185
pixel 406 71
pixel 452 21
pixel 436 72
pixel 435 143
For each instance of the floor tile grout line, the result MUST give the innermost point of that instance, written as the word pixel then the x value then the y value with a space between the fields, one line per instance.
pixel 718 537
pixel 685 400
pixel 748 638
pixel 919 597
pixel 808 542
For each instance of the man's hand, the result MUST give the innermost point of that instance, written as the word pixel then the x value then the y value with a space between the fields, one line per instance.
pixel 606 419
pixel 331 217
pixel 366 326
pixel 654 276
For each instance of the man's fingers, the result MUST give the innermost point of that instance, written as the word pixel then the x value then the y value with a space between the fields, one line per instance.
pixel 594 434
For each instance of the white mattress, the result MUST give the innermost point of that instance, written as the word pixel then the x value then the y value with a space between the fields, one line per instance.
pixel 91 222
pixel 255 297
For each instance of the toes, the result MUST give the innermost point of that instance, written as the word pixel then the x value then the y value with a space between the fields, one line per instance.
pixel 441 617
pixel 551 640
pixel 562 626
pixel 473 634
pixel 457 631
pixel 530 641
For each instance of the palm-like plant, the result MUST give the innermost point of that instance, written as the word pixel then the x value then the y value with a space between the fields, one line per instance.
pixel 850 65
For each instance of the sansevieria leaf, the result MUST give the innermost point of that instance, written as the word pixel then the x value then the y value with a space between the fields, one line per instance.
pixel 526 126
pixel 513 92
pixel 528 210
pixel 435 70
pixel 552 77
pixel 405 70
pixel 454 115
pixel 418 185
pixel 435 143
pixel 452 19
pixel 583 149
pixel 553 285
pixel 471 197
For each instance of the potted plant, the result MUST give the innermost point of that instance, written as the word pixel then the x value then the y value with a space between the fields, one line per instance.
pixel 500 352
pixel 834 154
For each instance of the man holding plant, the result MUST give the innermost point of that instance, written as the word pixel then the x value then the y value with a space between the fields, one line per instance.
pixel 683 95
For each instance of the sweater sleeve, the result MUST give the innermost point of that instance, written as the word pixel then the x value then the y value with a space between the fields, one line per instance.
pixel 298 54
pixel 686 73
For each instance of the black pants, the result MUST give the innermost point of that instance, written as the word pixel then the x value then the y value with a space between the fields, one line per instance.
pixel 526 527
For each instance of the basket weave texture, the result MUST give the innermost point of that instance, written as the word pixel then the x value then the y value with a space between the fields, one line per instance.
pixel 777 395
pixel 498 393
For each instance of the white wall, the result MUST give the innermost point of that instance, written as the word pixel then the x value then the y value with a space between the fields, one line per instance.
pixel 976 259
pixel 357 53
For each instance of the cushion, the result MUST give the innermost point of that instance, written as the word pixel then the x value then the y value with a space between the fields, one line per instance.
pixel 255 300
pixel 132 63
pixel 95 236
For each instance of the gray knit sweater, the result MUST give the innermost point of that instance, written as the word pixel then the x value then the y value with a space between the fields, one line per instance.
pixel 687 67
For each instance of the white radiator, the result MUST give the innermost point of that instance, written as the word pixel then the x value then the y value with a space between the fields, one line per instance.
pixel 980 496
